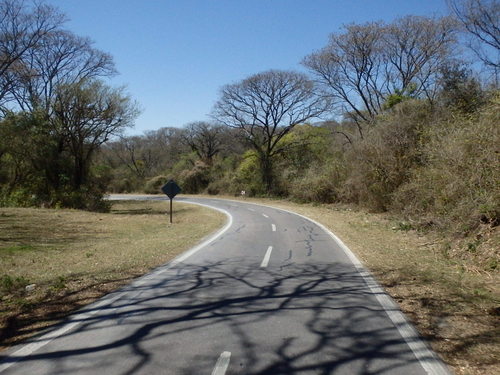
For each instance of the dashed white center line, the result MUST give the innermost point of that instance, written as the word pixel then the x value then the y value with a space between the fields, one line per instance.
pixel 251 209
pixel 273 227
pixel 222 364
pixel 265 216
pixel 265 261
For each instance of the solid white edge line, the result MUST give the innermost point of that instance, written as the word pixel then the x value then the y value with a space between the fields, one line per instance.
pixel 267 256
pixel 78 318
pixel 222 364
pixel 427 358
pixel 212 238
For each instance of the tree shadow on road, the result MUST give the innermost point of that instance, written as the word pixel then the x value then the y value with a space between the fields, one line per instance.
pixel 294 319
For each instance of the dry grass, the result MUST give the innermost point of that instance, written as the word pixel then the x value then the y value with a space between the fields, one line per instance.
pixel 454 305
pixel 74 257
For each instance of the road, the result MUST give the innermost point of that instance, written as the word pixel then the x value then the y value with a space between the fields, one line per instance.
pixel 271 293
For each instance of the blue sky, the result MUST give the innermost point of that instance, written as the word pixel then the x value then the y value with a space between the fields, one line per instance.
pixel 174 55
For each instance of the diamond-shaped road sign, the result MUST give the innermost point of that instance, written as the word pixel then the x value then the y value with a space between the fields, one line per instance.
pixel 171 189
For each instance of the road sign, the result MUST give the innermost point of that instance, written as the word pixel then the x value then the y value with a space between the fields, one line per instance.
pixel 171 189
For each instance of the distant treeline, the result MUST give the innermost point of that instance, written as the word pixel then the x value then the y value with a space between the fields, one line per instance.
pixel 399 116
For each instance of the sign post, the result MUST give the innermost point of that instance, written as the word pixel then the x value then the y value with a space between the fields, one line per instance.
pixel 171 189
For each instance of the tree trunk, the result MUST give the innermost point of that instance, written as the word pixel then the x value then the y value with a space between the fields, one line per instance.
pixel 79 172
pixel 267 172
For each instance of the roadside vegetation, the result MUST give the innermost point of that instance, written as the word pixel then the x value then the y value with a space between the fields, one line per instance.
pixel 55 261
pixel 398 119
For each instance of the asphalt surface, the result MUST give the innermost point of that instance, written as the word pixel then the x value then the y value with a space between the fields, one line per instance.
pixel 271 293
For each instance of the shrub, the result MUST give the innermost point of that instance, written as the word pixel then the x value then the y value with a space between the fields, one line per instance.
pixel 458 185
pixel 90 198
pixel 224 185
pixel 196 179
pixel 381 162
pixel 153 185
pixel 222 176
pixel 11 285
pixel 19 197
pixel 248 175
pixel 323 185
pixel 125 185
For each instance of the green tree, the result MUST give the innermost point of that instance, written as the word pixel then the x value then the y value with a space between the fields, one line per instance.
pixel 205 139
pixel 33 162
pixel 460 90
pixel 306 145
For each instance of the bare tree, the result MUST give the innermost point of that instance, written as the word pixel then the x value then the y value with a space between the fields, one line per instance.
pixel 414 49
pixel 481 20
pixel 167 143
pixel 361 67
pixel 265 107
pixel 61 58
pixel 136 154
pixel 146 155
pixel 21 30
pixel 205 139
pixel 350 69
pixel 87 114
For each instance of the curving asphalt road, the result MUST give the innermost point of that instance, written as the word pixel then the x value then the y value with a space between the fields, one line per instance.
pixel 271 293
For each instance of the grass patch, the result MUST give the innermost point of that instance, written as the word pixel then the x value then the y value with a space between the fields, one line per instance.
pixel 10 250
pixel 55 261
pixel 453 303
